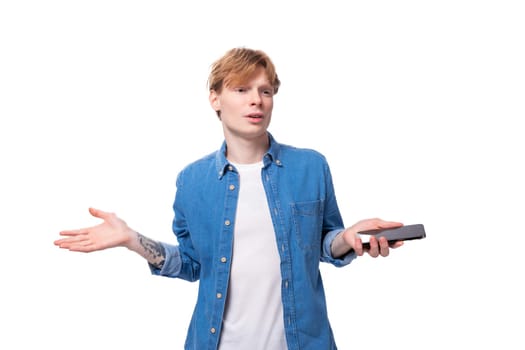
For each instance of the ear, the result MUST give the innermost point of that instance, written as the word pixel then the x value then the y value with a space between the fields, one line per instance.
pixel 215 101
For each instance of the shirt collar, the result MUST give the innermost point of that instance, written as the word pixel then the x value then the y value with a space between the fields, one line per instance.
pixel 272 155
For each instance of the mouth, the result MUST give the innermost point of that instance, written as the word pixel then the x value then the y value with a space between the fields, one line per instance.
pixel 255 116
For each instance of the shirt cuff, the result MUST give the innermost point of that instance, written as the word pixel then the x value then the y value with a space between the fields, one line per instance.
pixel 172 264
pixel 327 251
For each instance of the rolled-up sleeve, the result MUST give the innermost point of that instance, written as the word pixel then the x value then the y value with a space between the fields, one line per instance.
pixel 172 265
pixel 327 251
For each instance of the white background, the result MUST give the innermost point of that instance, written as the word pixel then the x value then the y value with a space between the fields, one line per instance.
pixel 416 105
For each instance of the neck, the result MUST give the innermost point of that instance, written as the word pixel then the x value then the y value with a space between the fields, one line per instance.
pixel 246 151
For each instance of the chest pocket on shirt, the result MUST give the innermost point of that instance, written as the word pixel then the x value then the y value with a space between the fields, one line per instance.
pixel 308 224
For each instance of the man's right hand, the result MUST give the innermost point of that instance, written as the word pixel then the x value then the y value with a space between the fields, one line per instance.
pixel 113 232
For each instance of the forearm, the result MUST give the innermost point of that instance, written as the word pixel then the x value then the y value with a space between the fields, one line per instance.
pixel 149 249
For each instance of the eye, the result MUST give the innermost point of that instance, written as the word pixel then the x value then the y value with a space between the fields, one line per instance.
pixel 240 89
pixel 268 92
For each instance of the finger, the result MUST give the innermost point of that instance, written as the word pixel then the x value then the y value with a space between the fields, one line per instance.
pixel 373 251
pixel 66 242
pixel 85 247
pixel 396 244
pixel 80 248
pixel 358 246
pixel 99 213
pixel 59 243
pixel 383 247
pixel 75 244
pixel 82 231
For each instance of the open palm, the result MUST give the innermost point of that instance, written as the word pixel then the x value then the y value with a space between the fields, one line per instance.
pixel 112 232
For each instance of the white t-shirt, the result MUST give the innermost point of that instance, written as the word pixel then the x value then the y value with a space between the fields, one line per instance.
pixel 253 317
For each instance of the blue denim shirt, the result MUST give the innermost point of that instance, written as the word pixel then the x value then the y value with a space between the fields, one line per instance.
pixel 305 216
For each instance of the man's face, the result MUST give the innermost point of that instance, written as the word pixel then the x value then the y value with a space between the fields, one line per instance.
pixel 245 109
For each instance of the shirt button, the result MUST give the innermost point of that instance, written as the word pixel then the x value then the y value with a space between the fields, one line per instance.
pixel 213 330
pixel 285 284
pixel 278 162
pixel 227 222
pixel 219 295
pixel 223 259
pixel 232 187
pixel 230 168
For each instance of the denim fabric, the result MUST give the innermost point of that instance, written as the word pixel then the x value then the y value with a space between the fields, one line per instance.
pixel 305 216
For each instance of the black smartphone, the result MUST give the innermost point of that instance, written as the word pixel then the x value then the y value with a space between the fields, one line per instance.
pixel 402 233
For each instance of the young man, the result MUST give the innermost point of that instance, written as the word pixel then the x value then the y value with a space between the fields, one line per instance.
pixel 253 220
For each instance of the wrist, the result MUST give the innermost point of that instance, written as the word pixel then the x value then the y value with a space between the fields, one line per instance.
pixel 340 245
pixel 132 240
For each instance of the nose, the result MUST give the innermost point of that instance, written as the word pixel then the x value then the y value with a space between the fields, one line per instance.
pixel 255 98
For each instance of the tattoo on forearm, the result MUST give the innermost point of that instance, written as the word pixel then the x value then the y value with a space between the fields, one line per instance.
pixel 155 253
